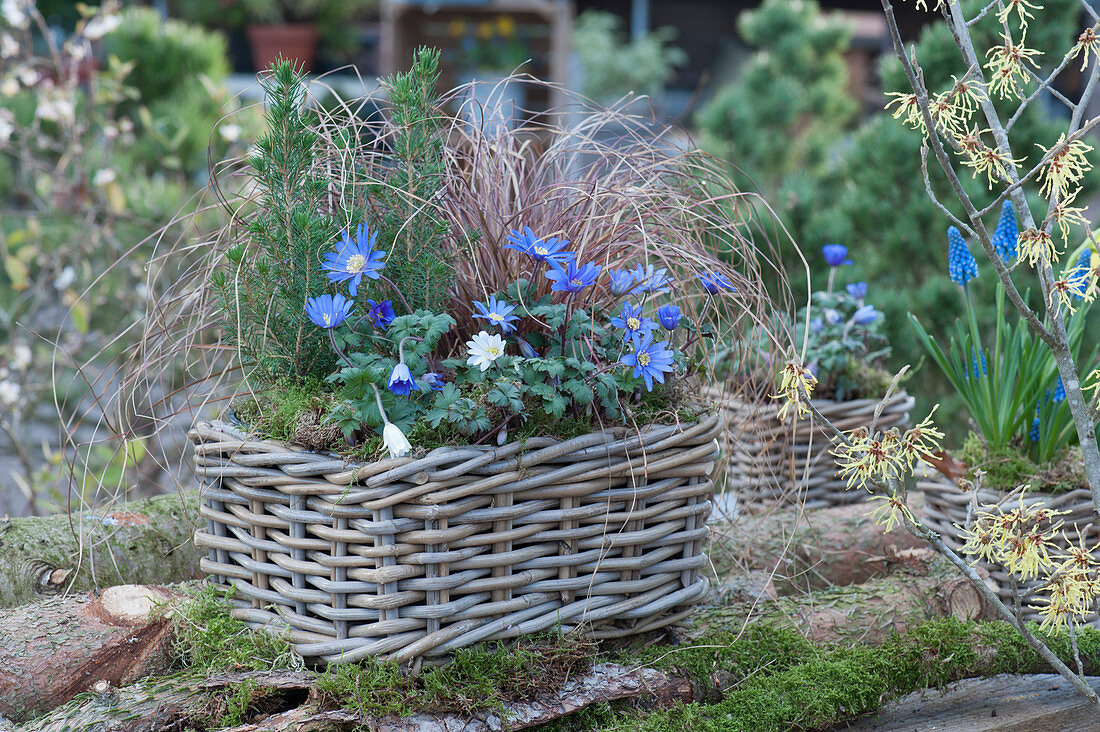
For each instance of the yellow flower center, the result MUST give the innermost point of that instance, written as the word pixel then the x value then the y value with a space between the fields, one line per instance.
pixel 356 262
pixel 643 359
pixel 496 317
pixel 493 351
pixel 541 251
pixel 576 283
pixel 327 318
pixel 633 323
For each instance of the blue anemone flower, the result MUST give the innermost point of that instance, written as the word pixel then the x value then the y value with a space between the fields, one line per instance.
pixel 381 313
pixel 836 255
pixel 401 381
pixel 816 326
pixel 715 281
pixel 622 281
pixel 551 250
pixel 651 279
pixel 669 315
pixel 433 381
pixel 1007 233
pixel 865 315
pixel 858 290
pixel 961 265
pixel 354 259
pixel 328 311
pixel 569 277
pixel 631 321
pixel 650 360
pixel 497 312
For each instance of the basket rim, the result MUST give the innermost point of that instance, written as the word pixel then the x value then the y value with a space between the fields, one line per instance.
pixel 590 444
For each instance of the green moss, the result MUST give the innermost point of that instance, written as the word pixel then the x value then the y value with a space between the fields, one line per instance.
pixel 1005 468
pixel 479 678
pixel 209 638
pixel 1008 467
pixel 775 680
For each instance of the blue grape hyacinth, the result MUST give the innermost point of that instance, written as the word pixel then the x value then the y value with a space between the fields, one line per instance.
pixel 1059 393
pixel 1007 233
pixel 961 265
pixel 1084 262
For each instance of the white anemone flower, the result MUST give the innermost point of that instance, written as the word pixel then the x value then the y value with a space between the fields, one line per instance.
pixel 484 349
pixel 395 441
pixel 9 393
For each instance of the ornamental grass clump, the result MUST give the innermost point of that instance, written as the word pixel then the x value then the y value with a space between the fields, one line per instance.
pixel 430 283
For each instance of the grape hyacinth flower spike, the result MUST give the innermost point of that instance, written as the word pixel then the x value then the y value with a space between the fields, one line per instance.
pixel 961 265
pixel 1007 233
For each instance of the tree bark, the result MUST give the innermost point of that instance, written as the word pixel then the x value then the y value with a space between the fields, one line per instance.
pixel 52 650
pixel 143 542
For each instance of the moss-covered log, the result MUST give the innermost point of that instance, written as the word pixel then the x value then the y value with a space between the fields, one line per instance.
pixel 142 542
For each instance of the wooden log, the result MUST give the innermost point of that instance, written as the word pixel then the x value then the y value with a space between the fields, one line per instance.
pixel 175 703
pixel 54 649
pixel 1035 703
pixel 805 550
pixel 921 588
pixel 142 542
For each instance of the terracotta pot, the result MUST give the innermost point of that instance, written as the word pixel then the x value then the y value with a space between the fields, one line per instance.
pixel 294 41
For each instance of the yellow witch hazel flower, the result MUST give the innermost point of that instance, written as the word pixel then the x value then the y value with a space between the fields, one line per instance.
pixel 890 512
pixel 1006 62
pixel 1088 43
pixel 1066 167
pixel 907 108
pixel 1066 216
pixel 1036 245
pixel 880 459
pixel 795 387
pixel 1021 7
pixel 1020 539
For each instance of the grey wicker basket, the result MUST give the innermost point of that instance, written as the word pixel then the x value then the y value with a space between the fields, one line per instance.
pixel 773 461
pixel 410 559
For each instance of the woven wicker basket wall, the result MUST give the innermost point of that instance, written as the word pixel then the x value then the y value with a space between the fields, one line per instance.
pixel 946 511
pixel 410 559
pixel 774 461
